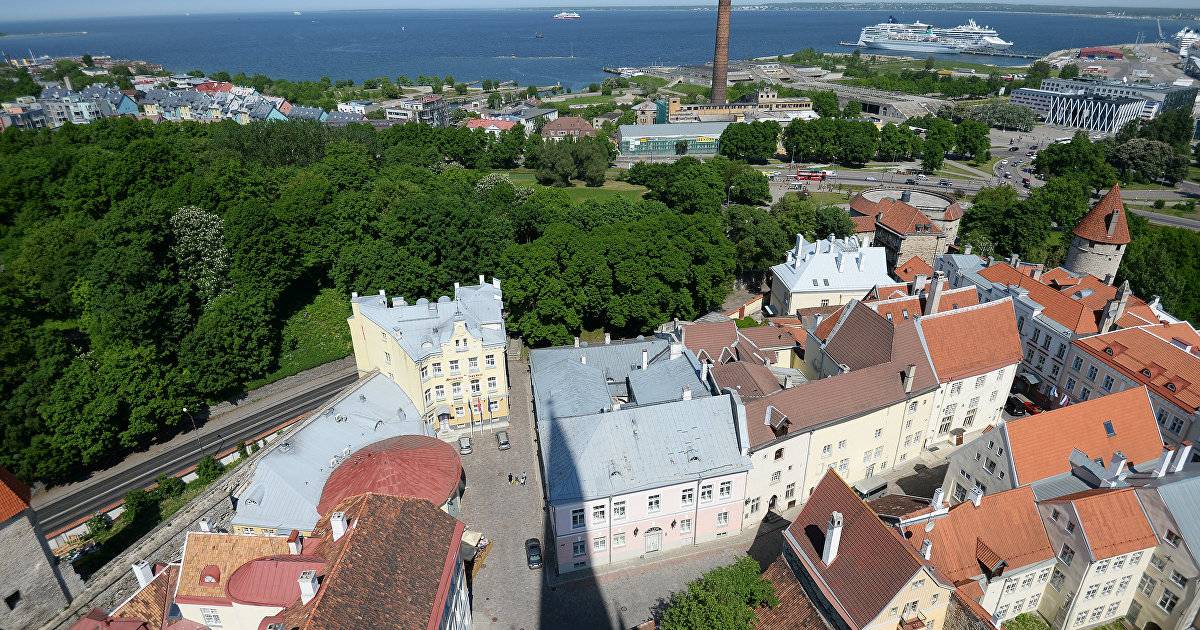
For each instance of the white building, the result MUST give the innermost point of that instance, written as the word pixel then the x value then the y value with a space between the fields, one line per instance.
pixel 828 272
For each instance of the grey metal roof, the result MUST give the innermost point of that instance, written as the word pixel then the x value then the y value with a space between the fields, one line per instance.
pixel 286 485
pixel 638 448
pixel 307 113
pixel 663 380
pixel 672 130
pixel 422 328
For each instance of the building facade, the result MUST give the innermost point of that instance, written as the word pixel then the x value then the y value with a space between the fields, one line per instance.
pixel 1102 114
pixel 827 272
pixel 448 356
pixel 649 141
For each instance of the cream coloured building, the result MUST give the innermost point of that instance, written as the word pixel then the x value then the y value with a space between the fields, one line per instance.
pixel 448 356
pixel 828 272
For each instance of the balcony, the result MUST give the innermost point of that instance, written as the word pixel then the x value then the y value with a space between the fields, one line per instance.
pixel 915 622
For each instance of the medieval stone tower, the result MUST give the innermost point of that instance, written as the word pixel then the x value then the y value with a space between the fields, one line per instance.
pixel 1100 239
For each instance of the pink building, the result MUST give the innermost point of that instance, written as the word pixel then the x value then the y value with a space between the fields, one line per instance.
pixel 640 457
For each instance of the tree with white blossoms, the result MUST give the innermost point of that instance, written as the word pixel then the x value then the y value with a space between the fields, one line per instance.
pixel 200 250
pixel 486 184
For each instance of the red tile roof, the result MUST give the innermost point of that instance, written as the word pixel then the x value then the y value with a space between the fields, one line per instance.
pixel 1005 527
pixel 973 340
pixel 749 380
pixel 863 338
pixel 1113 521
pixel 1174 373
pixel 830 320
pixel 795 610
pixel 209 558
pixel 872 564
pixel 711 338
pixel 483 123
pixel 379 569
pixel 568 126
pixel 14 495
pixel 908 270
pixel 97 619
pixel 769 337
pixel 862 225
pixel 915 305
pixel 1108 215
pixel 407 465
pixel 1038 449
pixel 151 604
pixel 898 216
pixel 1180 331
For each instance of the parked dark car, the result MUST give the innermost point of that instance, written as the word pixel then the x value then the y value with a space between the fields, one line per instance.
pixel 533 553
pixel 502 441
pixel 1014 149
pixel 1019 405
pixel 910 181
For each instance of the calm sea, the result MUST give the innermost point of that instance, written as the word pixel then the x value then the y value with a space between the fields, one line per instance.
pixel 502 44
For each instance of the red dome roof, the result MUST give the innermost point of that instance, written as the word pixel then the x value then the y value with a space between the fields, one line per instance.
pixel 407 466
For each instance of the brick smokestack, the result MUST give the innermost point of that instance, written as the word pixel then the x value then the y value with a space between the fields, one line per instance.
pixel 720 71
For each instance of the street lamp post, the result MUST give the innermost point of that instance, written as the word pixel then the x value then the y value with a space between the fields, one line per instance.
pixel 196 430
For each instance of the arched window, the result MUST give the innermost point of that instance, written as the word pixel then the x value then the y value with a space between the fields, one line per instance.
pixel 1108 351
pixel 778 453
pixel 1020 323
pixel 1171 386
pixel 1145 372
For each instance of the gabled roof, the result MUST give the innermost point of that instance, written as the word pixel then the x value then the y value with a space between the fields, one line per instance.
pixel 863 338
pixel 1105 218
pixel 14 495
pixel 1038 449
pixel 483 123
pixel 749 380
pixel 707 340
pixel 969 540
pixel 908 270
pixel 1166 368
pixel 98 619
pixel 973 340
pixel 795 611
pixel 1113 521
pixel 379 570
pixel 568 123
pixel 769 337
pixel 912 306
pixel 421 329
pixel 210 558
pixel 830 265
pixel 152 603
pixel 905 220
pixel 829 321
pixel 872 564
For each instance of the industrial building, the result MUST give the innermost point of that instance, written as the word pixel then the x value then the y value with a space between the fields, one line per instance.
pixel 764 101
pixel 646 142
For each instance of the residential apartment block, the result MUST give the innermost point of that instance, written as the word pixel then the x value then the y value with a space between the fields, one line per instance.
pixel 826 273
pixel 640 457
pixel 448 356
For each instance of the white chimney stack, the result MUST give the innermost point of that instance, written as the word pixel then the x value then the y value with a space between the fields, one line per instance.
pixel 676 351
pixel 704 371
pixel 308 586
pixel 926 548
pixel 938 495
pixel 1183 456
pixel 1164 462
pixel 143 572
pixel 976 496
pixel 1115 468
pixel 645 358
pixel 206 524
pixel 583 359
pixel 295 544
pixel 481 281
pixel 337 524
pixel 607 338
pixel 577 342
pixel 687 392
pixel 833 537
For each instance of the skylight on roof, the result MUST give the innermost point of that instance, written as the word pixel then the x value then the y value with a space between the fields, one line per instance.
pixel 1108 428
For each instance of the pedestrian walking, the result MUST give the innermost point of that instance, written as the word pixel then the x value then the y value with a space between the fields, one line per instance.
pixel 510 479
pixel 522 479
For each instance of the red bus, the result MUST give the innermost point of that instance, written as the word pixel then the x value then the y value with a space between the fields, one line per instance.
pixel 816 176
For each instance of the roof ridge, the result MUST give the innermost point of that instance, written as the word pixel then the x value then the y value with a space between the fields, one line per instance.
pixel 965 309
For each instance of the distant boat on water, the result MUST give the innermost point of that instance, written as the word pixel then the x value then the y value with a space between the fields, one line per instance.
pixel 296 13
pixel 538 35
pixel 566 15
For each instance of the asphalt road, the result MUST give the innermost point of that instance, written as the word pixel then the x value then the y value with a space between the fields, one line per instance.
pixel 79 504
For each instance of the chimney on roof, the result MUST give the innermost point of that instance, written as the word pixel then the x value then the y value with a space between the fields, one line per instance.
pixel 583 359
pixel 976 496
pixel 577 342
pixel 676 351
pixel 919 283
pixel 833 537
pixel 1108 279
pixel 295 544
pixel 1036 272
pixel 687 393
pixel 926 548
pixel 879 216
pixel 1164 462
pixel 906 196
pixel 1182 457
pixel 337 524
pixel 645 358
pixel 481 279
pixel 1113 476
pixel 143 572
pixel 789 381
pixel 1014 260
pixel 496 283
pixel 206 524
pixel 354 295
pixel 938 495
pixel 907 377
pixel 607 338
pixel 704 371
pixel 1115 309
pixel 935 293
pixel 967 249
pixel 308 586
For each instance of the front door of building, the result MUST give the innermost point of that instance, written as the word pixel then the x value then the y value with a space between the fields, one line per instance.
pixel 653 539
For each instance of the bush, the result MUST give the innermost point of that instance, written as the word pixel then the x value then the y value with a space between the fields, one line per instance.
pixel 209 469
pixel 98 523
pixel 1159 204
pixel 168 487
pixel 139 503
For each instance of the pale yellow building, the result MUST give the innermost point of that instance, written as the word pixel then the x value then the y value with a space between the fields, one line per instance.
pixel 448 356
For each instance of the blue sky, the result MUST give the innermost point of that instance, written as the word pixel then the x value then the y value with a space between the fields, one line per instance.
pixel 89 8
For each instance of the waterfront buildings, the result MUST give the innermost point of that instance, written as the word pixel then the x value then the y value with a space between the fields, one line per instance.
pixel 430 109
pixel 1159 97
pixel 766 101
pixel 448 356
pixel 1102 114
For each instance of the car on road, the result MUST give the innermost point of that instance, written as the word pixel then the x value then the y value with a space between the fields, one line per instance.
pixel 910 181
pixel 1027 185
pixel 943 182
pixel 1003 162
pixel 1013 149
pixel 464 445
pixel 1008 176
pixel 922 177
pixel 1033 147
pixel 871 178
pixel 533 553
pixel 502 441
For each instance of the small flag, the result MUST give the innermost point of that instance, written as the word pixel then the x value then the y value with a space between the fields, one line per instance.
pixel 1066 400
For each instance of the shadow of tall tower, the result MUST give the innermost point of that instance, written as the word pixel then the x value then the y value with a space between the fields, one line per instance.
pixel 720 71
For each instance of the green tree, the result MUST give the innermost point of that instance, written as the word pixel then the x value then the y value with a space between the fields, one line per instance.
pixel 832 220
pixel 929 62
pixel 759 240
pixel 852 110
pixel 725 597
pixel 87 60
pixel 209 469
pixel 972 139
pixel 681 147
pixel 1080 157
pixel 1069 71
pixel 825 103
pixel 141 505
pixel 460 88
pixel 233 342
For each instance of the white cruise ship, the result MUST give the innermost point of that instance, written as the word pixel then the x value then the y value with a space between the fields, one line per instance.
pixel 1184 40
pixel 924 38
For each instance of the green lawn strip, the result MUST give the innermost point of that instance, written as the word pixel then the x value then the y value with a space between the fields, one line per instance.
pixel 1026 621
pixel 580 192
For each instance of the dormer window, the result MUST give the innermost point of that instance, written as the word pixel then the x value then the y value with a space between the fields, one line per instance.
pixel 1108 351
pixel 1145 372
pixel 1171 386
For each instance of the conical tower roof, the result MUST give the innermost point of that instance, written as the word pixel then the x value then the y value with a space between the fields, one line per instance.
pixel 1106 222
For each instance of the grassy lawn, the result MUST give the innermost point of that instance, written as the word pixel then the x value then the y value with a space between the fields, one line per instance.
pixel 834 198
pixel 1175 212
pixel 1026 621
pixel 591 99
pixel 580 192
pixel 316 334
pixel 1194 173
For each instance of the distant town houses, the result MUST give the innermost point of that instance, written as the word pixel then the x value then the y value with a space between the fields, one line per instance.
pixel 567 127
